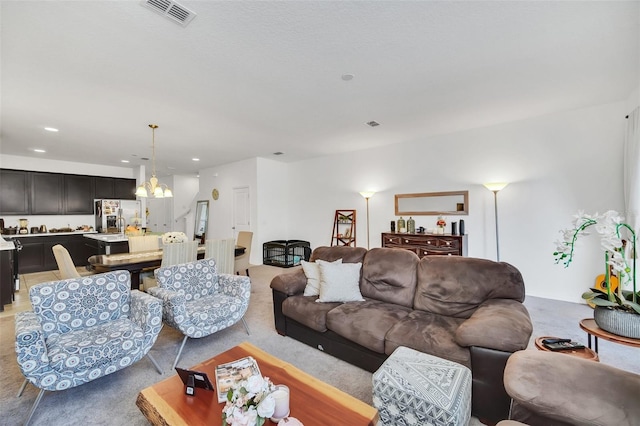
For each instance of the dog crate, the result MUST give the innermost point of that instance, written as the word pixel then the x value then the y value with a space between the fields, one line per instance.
pixel 285 253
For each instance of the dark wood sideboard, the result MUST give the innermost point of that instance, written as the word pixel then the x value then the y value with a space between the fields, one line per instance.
pixel 427 244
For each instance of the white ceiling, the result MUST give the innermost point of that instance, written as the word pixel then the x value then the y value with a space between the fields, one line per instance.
pixel 247 79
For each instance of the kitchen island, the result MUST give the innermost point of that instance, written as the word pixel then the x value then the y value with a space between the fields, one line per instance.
pixel 108 243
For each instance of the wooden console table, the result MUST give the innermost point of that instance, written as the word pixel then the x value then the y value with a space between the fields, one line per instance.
pixel 589 325
pixel 427 244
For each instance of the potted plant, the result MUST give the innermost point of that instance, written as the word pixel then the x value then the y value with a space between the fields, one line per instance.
pixel 616 310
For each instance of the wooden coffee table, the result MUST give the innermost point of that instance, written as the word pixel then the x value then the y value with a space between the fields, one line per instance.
pixel 585 353
pixel 313 402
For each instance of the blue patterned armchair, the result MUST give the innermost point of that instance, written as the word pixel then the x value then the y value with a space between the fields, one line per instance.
pixel 197 301
pixel 81 329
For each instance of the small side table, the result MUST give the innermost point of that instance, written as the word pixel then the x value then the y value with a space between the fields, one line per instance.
pixel 586 353
pixel 589 325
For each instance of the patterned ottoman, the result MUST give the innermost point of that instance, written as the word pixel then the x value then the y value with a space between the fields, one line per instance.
pixel 414 388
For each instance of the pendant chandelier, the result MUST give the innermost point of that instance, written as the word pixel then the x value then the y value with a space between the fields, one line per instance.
pixel 157 190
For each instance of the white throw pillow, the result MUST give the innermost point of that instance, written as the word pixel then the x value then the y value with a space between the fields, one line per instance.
pixel 340 282
pixel 312 273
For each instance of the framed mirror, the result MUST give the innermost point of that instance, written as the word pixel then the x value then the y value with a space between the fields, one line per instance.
pixel 202 219
pixel 432 203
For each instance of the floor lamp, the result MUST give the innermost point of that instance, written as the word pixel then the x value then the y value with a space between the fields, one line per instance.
pixel 367 195
pixel 496 187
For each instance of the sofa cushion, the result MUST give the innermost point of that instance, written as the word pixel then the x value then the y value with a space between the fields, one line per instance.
pixel 113 344
pixel 365 323
pixel 456 286
pixel 312 272
pixel 340 282
pixel 389 275
pixel 429 333
pixel 213 313
pixel 306 311
pixel 331 254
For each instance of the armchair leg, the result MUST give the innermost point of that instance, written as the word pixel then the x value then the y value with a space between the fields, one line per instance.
pixel 179 352
pixel 24 385
pixel 34 406
pixel 246 327
pixel 155 363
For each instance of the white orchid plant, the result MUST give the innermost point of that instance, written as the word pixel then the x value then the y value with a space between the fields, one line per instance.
pixel 609 225
pixel 174 237
pixel 249 403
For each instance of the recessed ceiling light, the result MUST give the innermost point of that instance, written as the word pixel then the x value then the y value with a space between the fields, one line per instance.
pixel 373 123
pixel 51 129
pixel 195 159
pixel 278 153
pixel 347 77
pixel 124 161
pixel 39 150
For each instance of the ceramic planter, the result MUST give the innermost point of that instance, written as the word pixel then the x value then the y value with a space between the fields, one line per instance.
pixel 618 322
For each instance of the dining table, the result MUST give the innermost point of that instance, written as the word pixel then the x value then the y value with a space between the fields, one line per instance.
pixel 137 262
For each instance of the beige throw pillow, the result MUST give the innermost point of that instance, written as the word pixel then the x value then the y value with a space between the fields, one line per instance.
pixel 340 282
pixel 312 272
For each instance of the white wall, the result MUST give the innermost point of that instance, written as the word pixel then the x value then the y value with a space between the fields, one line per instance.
pixel 185 191
pixel 274 200
pixel 225 178
pixel 556 165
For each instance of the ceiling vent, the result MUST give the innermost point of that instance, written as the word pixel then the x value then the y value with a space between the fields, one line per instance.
pixel 171 10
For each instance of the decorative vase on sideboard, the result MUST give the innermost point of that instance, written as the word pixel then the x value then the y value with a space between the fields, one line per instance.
pixel 618 322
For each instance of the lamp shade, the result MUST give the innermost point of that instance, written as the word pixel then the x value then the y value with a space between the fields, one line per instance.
pixel 495 186
pixel 367 194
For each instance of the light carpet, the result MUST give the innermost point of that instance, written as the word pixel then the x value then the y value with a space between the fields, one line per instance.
pixel 111 400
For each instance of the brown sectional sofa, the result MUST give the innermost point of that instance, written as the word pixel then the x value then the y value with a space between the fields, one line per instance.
pixel 462 309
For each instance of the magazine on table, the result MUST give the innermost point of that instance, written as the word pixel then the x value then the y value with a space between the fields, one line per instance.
pixel 230 373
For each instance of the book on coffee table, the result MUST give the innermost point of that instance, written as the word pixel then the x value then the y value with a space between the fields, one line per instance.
pixel 231 373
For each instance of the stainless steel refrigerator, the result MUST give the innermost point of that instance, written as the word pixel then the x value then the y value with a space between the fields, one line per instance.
pixel 113 216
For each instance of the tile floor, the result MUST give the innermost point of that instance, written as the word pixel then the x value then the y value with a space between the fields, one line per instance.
pixel 21 302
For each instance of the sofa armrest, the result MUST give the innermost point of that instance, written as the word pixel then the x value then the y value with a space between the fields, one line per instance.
pixel 291 283
pixel 540 381
pixel 235 285
pixel 30 346
pixel 146 311
pixel 174 310
pixel 500 324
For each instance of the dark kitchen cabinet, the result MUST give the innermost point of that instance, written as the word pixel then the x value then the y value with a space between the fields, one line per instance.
pixel 14 190
pixel 103 187
pixel 31 256
pixel 37 252
pixel 40 193
pixel 78 194
pixel 124 189
pixel 46 193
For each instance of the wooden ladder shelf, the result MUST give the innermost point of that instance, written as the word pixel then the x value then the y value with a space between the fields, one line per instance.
pixel 344 228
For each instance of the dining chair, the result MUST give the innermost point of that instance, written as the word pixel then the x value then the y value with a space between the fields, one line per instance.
pixel 223 251
pixel 138 243
pixel 176 253
pixel 242 261
pixel 84 328
pixel 65 263
pixel 143 243
pixel 173 254
pixel 198 301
